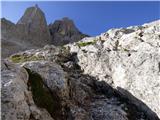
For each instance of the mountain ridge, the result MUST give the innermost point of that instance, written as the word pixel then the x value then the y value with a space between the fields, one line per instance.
pixel 32 31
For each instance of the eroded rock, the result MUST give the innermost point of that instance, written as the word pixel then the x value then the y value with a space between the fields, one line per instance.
pixel 17 100
pixel 126 58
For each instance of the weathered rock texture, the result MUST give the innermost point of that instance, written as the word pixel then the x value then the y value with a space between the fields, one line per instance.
pixel 31 31
pixel 114 76
pixel 77 95
pixel 127 58
pixel 17 100
pixel 64 31
pixel 34 24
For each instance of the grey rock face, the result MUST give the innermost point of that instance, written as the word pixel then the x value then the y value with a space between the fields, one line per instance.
pixel 52 75
pixel 31 31
pixel 126 58
pixel 17 100
pixel 10 39
pixel 79 96
pixel 64 31
pixel 33 23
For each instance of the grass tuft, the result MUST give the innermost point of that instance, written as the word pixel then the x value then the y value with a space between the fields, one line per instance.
pixel 24 58
pixel 82 44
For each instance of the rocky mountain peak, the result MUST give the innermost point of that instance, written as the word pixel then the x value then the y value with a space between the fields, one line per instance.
pixel 31 31
pixel 34 25
pixel 32 13
pixel 64 25
pixel 64 31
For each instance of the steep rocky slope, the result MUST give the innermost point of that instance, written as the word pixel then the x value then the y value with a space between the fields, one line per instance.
pixel 33 22
pixel 114 76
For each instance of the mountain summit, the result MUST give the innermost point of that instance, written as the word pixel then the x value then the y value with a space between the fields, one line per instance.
pixel 35 25
pixel 64 31
pixel 32 31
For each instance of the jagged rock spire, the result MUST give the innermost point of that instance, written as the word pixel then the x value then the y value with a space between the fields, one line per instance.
pixel 36 26
pixel 36 5
pixel 64 31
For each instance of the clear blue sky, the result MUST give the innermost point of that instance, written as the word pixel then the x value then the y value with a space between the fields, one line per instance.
pixel 91 18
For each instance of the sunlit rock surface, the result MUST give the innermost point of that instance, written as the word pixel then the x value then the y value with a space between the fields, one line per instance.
pixel 113 76
pixel 127 58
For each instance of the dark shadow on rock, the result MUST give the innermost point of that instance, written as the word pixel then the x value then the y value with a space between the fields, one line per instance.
pixel 131 99
pixel 136 108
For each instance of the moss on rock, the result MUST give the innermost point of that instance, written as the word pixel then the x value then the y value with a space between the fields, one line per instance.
pixel 82 44
pixel 24 58
pixel 41 94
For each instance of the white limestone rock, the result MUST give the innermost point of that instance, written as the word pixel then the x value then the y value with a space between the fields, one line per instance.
pixel 126 58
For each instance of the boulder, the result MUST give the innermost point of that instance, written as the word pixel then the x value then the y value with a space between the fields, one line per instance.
pixel 17 101
pixel 127 58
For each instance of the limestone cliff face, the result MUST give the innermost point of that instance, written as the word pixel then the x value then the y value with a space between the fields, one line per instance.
pixel 64 31
pixel 126 58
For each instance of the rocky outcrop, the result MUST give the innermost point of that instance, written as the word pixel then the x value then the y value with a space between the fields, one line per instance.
pixel 114 76
pixel 75 95
pixel 64 31
pixel 127 58
pixel 17 100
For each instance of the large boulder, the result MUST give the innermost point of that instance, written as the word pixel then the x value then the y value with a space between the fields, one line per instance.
pixel 52 74
pixel 17 100
pixel 128 59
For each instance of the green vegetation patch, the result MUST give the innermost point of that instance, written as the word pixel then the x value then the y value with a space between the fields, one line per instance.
pixel 24 58
pixel 82 44
pixel 41 95
pixel 125 49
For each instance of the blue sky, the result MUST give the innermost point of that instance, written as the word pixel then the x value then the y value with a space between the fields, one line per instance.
pixel 91 18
